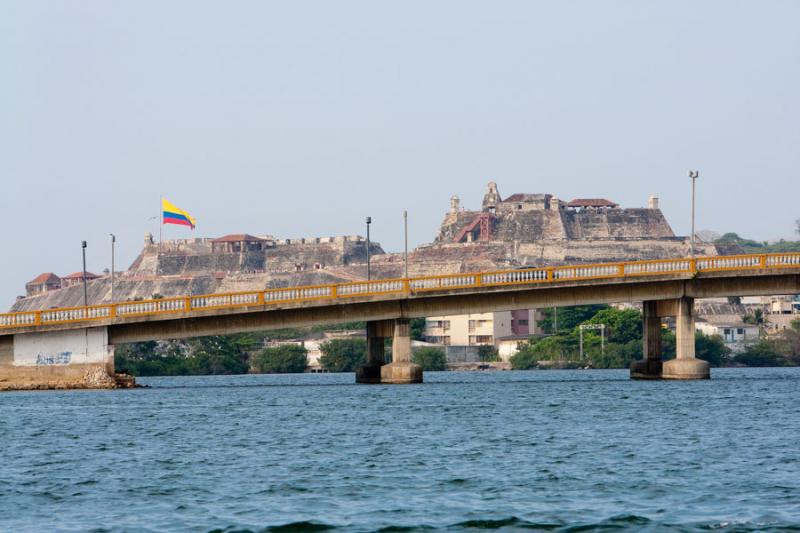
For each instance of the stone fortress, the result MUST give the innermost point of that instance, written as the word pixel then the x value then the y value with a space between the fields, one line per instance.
pixel 520 230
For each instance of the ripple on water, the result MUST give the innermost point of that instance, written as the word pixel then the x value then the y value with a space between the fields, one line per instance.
pixel 511 451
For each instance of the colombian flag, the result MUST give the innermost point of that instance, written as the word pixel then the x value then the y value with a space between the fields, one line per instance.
pixel 174 215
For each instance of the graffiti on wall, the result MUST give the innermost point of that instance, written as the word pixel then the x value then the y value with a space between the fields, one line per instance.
pixel 62 358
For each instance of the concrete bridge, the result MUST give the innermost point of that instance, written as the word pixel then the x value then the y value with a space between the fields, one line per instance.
pixel 74 347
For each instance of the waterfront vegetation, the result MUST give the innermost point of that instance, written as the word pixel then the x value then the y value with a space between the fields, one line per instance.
pixel 560 348
pixel 282 359
pixel 621 345
pixel 430 358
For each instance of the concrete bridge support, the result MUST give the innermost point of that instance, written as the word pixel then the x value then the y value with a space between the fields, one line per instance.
pixel 649 367
pixel 377 332
pixel 685 365
pixel 401 369
pixel 73 359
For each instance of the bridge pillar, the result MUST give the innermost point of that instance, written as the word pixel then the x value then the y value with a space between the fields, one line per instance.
pixel 73 359
pixel 401 369
pixel 685 365
pixel 649 367
pixel 377 331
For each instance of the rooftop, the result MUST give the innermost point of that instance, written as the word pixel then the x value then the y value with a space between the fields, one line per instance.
pixel 238 237
pixel 592 202
pixel 44 278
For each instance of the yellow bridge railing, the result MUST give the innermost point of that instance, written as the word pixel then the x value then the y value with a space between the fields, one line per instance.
pixel 399 287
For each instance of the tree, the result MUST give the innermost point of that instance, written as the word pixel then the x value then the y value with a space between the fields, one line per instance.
pixel 417 326
pixel 623 326
pixel 710 348
pixel 343 355
pixel 218 355
pixel 762 353
pixel 283 359
pixel 525 359
pixel 488 354
pixel 568 317
pixel 756 317
pixel 430 358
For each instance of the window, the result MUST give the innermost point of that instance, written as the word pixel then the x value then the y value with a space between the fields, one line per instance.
pixel 727 331
pixel 522 322
pixel 740 331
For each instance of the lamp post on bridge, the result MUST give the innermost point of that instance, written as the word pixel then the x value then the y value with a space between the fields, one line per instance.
pixel 113 240
pixel 85 292
pixel 405 238
pixel 369 273
pixel 693 174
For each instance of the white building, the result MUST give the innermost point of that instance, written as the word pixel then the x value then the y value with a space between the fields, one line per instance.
pixel 735 334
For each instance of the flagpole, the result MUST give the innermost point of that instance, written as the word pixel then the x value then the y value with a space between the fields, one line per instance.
pixel 161 224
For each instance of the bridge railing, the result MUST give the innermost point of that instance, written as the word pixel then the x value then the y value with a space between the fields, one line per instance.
pixel 399 287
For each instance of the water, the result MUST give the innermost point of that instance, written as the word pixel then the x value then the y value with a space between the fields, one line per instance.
pixel 548 450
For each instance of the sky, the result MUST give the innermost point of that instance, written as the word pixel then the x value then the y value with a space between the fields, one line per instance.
pixel 300 118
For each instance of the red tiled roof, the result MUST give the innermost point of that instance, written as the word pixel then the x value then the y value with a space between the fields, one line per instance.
pixel 44 278
pixel 238 237
pixel 591 202
pixel 79 275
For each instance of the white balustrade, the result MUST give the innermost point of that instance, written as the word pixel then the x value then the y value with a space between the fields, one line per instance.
pixel 516 276
pixel 657 267
pixel 18 319
pixel 783 260
pixel 370 287
pixel 717 263
pixel 297 293
pixel 443 282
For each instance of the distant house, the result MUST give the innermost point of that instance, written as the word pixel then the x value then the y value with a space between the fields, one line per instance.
pixel 735 334
pixel 239 242
pixel 592 203
pixel 75 278
pixel 43 283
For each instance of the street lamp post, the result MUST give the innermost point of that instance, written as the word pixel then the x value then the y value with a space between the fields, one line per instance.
pixel 113 240
pixel 693 174
pixel 369 273
pixel 85 291
pixel 405 238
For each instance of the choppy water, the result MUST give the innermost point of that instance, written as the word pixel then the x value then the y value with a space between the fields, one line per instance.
pixel 552 450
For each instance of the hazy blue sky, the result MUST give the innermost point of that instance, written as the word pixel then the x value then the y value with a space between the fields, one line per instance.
pixel 299 118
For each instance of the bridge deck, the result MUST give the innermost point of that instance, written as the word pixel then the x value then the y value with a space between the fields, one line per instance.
pixel 209 305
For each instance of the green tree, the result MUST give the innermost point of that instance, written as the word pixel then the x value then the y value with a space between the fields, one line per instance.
pixel 430 358
pixel 417 326
pixel 567 317
pixel 623 326
pixel 488 354
pixel 283 359
pixel 762 353
pixel 218 355
pixel 343 355
pixel 756 317
pixel 525 359
pixel 710 348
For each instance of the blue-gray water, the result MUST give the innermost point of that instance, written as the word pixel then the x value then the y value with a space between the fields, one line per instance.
pixel 558 450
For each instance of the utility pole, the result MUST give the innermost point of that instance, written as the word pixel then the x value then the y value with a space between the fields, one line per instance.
pixel 602 328
pixel 369 273
pixel 405 235
pixel 693 174
pixel 85 291
pixel 113 240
